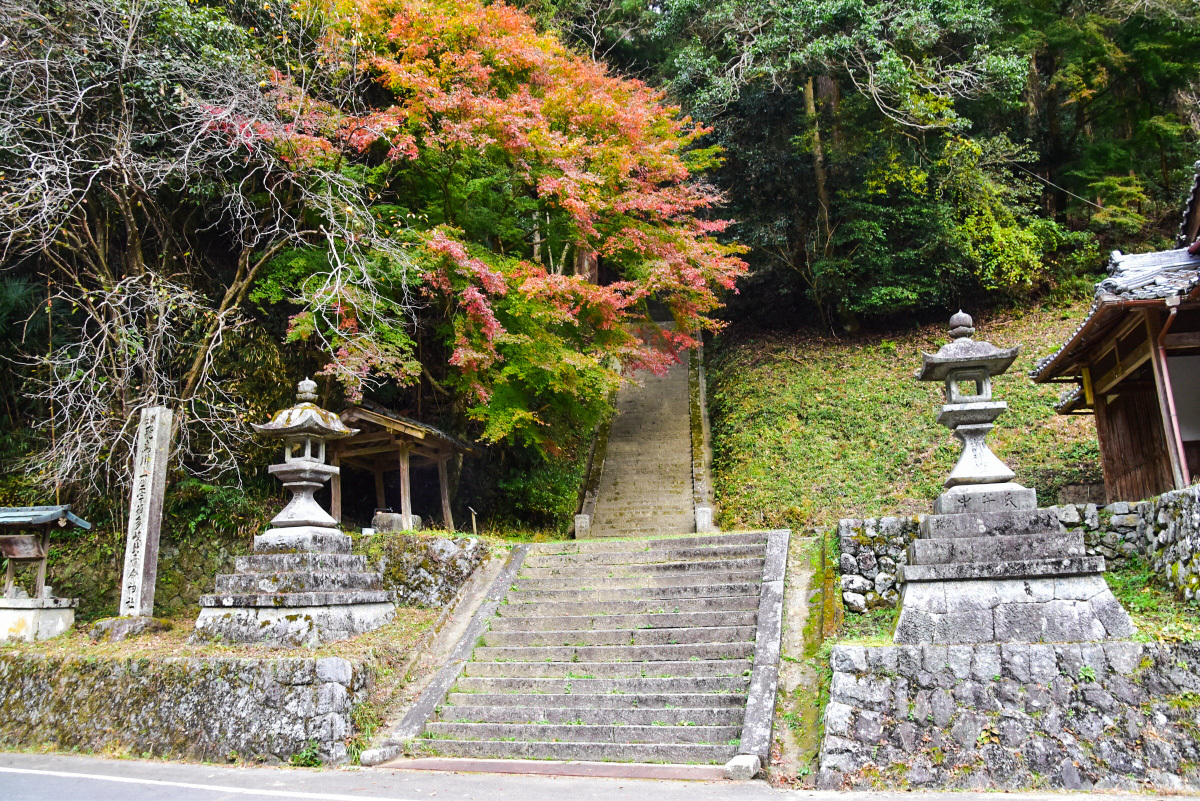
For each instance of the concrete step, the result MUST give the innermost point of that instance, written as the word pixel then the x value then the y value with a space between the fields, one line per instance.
pixel 617 622
pixel 296 582
pixel 674 684
pixel 300 562
pixel 603 717
pixel 601 700
pixel 605 532
pixel 733 603
pixel 636 582
pixel 637 593
pixel 745 564
pixel 620 636
pixel 603 752
pixel 600 670
pixel 615 653
pixel 651 517
pixel 693 541
pixel 583 733
pixel 647 556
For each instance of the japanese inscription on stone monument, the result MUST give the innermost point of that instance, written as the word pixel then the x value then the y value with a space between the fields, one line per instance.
pixel 145 511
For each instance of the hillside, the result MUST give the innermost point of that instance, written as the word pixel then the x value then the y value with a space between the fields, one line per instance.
pixel 808 428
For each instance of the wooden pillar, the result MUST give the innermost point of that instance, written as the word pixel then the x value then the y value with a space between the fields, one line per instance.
pixel 444 485
pixel 380 494
pixel 405 488
pixel 10 575
pixel 1159 362
pixel 40 585
pixel 1100 406
pixel 335 488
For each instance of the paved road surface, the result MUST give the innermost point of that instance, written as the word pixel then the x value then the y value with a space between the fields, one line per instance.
pixel 36 777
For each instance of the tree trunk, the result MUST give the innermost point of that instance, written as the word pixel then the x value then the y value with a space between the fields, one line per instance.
pixel 810 112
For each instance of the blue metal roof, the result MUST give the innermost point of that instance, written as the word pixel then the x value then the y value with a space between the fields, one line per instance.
pixel 30 516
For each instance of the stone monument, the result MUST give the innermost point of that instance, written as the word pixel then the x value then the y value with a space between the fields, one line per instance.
pixel 301 586
pixel 989 566
pixel 145 512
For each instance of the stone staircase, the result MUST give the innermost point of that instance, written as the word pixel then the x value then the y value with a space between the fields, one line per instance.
pixel 629 651
pixel 646 486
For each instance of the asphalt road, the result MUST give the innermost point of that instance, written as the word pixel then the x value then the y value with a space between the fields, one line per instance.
pixel 35 777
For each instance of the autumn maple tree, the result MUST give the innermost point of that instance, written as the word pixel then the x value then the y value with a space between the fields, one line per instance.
pixel 430 203
pixel 514 172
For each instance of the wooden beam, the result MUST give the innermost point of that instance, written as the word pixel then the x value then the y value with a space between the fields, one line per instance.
pixel 335 487
pixel 39 587
pixel 382 420
pixel 433 454
pixel 1186 339
pixel 363 439
pixel 1126 364
pixel 380 492
pixel 406 520
pixel 388 447
pixel 1161 391
pixel 444 486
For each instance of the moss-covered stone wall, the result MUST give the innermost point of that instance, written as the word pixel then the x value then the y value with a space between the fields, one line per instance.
pixel 1092 716
pixel 210 709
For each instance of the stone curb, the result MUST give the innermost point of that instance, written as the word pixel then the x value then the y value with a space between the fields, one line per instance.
pixel 764 678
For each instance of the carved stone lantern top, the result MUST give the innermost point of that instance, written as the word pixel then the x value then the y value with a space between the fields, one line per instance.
pixel 306 419
pixel 964 353
pixel 967 367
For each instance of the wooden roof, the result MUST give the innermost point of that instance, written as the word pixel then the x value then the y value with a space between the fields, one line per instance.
pixel 383 431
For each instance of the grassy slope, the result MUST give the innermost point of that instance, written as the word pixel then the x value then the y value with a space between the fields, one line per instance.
pixel 808 429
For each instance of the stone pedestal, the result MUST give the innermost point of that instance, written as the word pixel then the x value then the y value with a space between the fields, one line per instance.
pixel 31 619
pixel 1014 576
pixel 302 592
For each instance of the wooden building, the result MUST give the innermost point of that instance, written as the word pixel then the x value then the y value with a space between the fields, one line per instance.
pixel 385 442
pixel 1135 364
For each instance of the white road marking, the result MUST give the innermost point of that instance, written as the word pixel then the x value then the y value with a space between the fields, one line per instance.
pixel 212 787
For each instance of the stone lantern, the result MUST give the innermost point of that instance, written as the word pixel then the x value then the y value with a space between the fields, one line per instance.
pixel 302 586
pixel 304 429
pixel 967 368
pixel 989 566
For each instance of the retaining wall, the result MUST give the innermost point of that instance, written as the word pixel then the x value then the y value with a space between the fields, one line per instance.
pixel 1113 716
pixel 423 570
pixel 1164 531
pixel 208 709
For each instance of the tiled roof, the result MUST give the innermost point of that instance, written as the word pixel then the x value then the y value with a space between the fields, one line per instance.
pixel 1135 276
pixel 1140 276
pixel 1163 274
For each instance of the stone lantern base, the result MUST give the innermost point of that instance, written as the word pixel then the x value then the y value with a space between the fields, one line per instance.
pixel 1003 576
pixel 301 590
pixel 32 619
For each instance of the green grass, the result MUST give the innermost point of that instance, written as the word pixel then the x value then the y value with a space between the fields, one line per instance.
pixel 872 628
pixel 1158 614
pixel 807 429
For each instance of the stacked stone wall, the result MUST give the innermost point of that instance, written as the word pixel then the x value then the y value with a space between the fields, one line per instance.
pixel 205 709
pixel 1117 715
pixel 1164 531
pixel 423 570
pixel 870 552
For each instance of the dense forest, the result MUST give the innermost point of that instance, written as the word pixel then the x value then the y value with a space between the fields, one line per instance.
pixel 464 210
